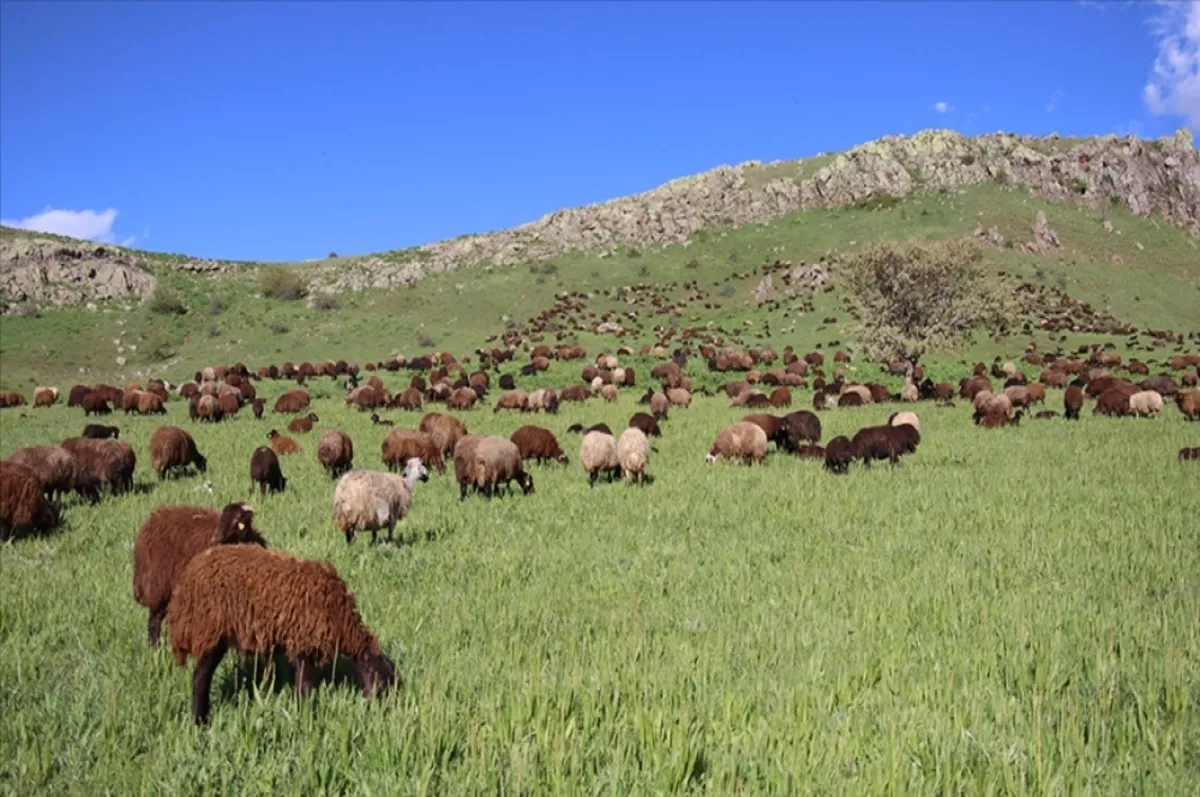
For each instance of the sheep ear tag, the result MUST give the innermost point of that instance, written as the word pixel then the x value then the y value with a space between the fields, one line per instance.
pixel 241 526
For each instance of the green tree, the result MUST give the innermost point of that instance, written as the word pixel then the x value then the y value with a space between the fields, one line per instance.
pixel 278 282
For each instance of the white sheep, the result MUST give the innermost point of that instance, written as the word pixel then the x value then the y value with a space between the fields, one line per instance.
pixel 369 500
pixel 633 453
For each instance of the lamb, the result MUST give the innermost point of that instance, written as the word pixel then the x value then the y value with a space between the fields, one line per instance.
pixel 498 462
pixel 633 453
pixel 95 431
pixel 910 418
pixel 646 422
pixel 598 453
pixel 1072 403
pixel 369 500
pixel 780 397
pixel 537 443
pixel 265 472
pixel 257 406
pixel 839 454
pixel 335 452
pixel 742 440
pixel 401 445
pixel 303 424
pixel 282 444
pixel 23 506
pixel 171 448
pixel 1146 403
pixel 59 471
pixel 170 538
pixel 885 442
pixel 112 461
pixel 258 601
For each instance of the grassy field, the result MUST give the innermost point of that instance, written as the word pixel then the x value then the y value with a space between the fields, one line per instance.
pixel 1007 612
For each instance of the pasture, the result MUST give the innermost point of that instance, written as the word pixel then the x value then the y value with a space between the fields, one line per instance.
pixel 1007 611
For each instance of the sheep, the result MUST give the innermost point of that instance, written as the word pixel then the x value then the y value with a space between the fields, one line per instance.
pixel 370 500
pixel 95 404
pixel 659 404
pixel 537 443
pixel 677 396
pixel 780 397
pixel 1113 401
pixel 809 452
pixel 265 472
pixel 646 422
pixel 598 453
pixel 608 393
pixel 11 398
pixel 463 398
pixel 633 453
pixel 257 406
pixel 205 409
pixel 910 418
pixel 464 463
pixel 112 461
pixel 885 442
pixel 23 506
pixel 258 601
pixel 1186 454
pixel 401 445
pixel 800 425
pixel 498 462
pixel 839 454
pixel 292 402
pixel 772 427
pixel 303 424
pixel 446 430
pixel 335 452
pixel 742 440
pixel 1072 403
pixel 95 431
pixel 282 444
pixel 169 538
pixel 909 393
pixel 513 400
pixel 45 396
pixel 1146 403
pixel 408 399
pixel 998 420
pixel 171 448
pixel 852 399
pixel 59 471
pixel 1189 404
pixel 1018 395
pixel 545 400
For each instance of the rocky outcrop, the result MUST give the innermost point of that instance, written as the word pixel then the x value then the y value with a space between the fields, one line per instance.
pixel 1147 177
pixel 44 273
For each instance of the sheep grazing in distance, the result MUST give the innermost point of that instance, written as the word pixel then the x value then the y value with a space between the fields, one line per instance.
pixel 885 442
pixel 1000 420
pixel 95 404
pixel 742 440
pixel 598 454
pixel 59 472
pixel 1186 454
pixel 282 444
pixel 303 424
pixel 369 500
pixel 646 422
pixel 168 540
pixel 292 402
pixel 798 426
pixel 95 431
pixel 11 398
pixel 335 452
pixel 257 601
pixel 1072 402
pixel 1113 401
pixel 498 463
pixel 513 400
pixel 401 445
pixel 839 455
pixel 45 396
pixel 537 443
pixel 173 449
pixel 633 454
pixel 265 472
pixel 257 406
pixel 910 418
pixel 112 461
pixel 23 506
pixel 1146 403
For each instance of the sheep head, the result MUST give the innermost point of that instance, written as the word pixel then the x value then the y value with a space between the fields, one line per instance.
pixel 376 674
pixel 414 471
pixel 236 525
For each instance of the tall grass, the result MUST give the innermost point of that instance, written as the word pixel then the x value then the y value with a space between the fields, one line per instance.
pixel 1007 612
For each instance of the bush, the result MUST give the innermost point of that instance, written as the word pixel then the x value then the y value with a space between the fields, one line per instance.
pixel 164 301
pixel 424 341
pixel 216 305
pixel 212 330
pixel 278 282
pixel 326 301
pixel 728 290
pixel 333 255
pixel 693 263
pixel 278 327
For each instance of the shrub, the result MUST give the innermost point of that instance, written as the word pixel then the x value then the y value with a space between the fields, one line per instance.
pixel 278 327
pixel 424 341
pixel 633 253
pixel 326 301
pixel 164 301
pixel 643 270
pixel 728 290
pixel 693 263
pixel 216 305
pixel 278 282
pixel 212 330
pixel 333 255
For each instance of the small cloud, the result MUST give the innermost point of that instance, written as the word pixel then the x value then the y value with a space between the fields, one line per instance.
pixel 86 225
pixel 943 107
pixel 1173 88
pixel 1057 96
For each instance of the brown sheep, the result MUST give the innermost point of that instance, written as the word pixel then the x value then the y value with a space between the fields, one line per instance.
pixel 94 403
pixel 367 397
pixel 292 402
pixel 1189 404
pixel 229 404
pixel 171 448
pixel 401 445
pixel 168 540
pixel 498 463
pixel 464 463
pixel 1037 393
pixel 335 452
pixel 647 423
pixel 885 442
pixel 75 397
pixel 743 440
pixel 579 393
pixel 539 444
pixel 45 396
pixel 11 398
pixel 257 406
pixel 839 455
pixel 303 424
pixel 809 452
pixel 408 399
pixel 257 601
pixel 149 404
pixel 513 400
pixel 282 444
pixel 1186 454
pixel 850 400
pixel 462 399
pixel 205 408
pixel 781 397
pixel 1113 401
pixel 112 461
pixel 771 425
pixel 1072 403
pixel 265 472
pixel 59 471
pixel 446 430
pixel 23 506
pixel 96 431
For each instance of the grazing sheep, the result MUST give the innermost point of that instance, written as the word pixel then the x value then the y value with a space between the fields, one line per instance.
pixel 633 454
pixel 598 453
pixel 780 397
pixel 369 500
pixel 498 463
pixel 910 418
pixel 23 506
pixel 545 400
pixel 539 444
pixel 608 393
pixel 11 398
pixel 839 454
pixel 772 427
pixel 171 448
pixel 292 402
pixel 1037 393
pixel 463 398
pixel 464 463
pixel 909 393
pixel 303 424
pixel 258 601
pixel 742 440
pixel 282 444
pixel 401 445
pixel 1018 396
pixel 1186 454
pixel 168 540
pixel 45 396
pixel 205 408
pixel 646 422
pixel 112 461
pixel 885 442
pixel 265 472
pixel 659 404
pixel 335 452
pixel 513 400
pixel 1189 404
pixel 850 400
pixel 95 431
pixel 1072 403
pixel 94 403
pixel 1113 401
pixel 800 425
pixel 257 406
pixel 446 431
pixel 59 471
pixel 1146 403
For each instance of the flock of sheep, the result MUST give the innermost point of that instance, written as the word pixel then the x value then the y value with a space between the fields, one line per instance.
pixel 212 576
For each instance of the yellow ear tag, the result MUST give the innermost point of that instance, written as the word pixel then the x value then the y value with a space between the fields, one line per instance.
pixel 241 527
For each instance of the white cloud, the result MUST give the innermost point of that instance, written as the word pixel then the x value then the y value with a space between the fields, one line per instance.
pixel 1174 85
pixel 87 225
pixel 1054 100
pixel 943 107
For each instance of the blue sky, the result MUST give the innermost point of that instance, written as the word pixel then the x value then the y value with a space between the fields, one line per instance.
pixel 282 131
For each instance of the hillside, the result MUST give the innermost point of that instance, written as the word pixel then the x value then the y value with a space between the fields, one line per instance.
pixel 1123 220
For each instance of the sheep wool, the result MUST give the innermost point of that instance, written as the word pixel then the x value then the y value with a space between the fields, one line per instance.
pixel 633 454
pixel 369 500
pixel 598 453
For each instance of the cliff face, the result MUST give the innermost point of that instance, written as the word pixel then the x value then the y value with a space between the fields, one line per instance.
pixel 40 272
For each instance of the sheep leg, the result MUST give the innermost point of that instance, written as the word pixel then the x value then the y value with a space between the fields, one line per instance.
pixel 202 682
pixel 304 681
pixel 154 626
pixel 592 478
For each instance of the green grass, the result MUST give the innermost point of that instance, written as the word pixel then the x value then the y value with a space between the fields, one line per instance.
pixel 1007 612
